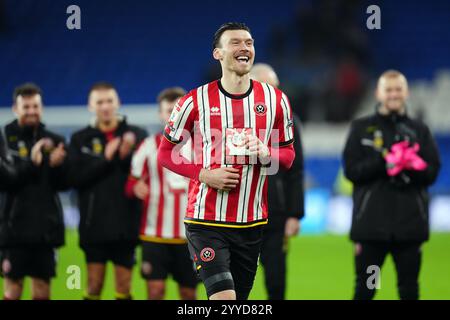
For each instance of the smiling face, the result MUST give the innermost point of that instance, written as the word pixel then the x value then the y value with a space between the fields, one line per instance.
pixel 236 51
pixel 104 103
pixel 392 93
pixel 28 110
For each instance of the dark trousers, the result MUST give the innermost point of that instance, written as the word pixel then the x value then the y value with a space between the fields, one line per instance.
pixel 273 259
pixel 407 259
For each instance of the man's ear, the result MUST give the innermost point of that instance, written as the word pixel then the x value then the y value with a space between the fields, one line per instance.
pixel 14 109
pixel 376 93
pixel 90 107
pixel 217 54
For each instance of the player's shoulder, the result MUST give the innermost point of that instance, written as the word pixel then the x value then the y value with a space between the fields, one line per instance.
pixel 186 99
pixel 81 132
pixel 417 123
pixel 364 121
pixel 257 85
pixel 139 131
pixel 55 136
pixel 146 146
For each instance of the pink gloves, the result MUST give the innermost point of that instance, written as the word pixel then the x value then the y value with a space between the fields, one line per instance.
pixel 403 157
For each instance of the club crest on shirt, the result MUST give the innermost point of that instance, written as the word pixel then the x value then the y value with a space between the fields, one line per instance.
pixel 207 254
pixel 97 146
pixel 22 149
pixel 260 109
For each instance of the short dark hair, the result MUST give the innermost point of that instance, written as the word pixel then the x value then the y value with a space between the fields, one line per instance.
pixel 102 85
pixel 26 90
pixel 225 27
pixel 171 94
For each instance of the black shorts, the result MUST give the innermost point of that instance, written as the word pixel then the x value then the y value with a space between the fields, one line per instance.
pixel 225 258
pixel 119 253
pixel 161 259
pixel 35 262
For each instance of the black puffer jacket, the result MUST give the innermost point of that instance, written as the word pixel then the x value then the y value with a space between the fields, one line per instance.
pixel 106 215
pixel 285 192
pixel 389 208
pixel 30 208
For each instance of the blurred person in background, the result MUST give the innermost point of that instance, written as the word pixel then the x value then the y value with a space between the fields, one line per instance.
pixel 33 169
pixel 286 205
pixel 391 160
pixel 164 196
pixel 100 155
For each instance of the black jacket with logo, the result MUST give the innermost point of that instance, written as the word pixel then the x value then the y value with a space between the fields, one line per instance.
pixel 30 208
pixel 389 208
pixel 285 189
pixel 106 215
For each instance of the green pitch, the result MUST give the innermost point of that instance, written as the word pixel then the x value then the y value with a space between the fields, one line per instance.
pixel 319 267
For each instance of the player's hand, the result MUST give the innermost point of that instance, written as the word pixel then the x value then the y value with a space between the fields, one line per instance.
pixel 111 148
pixel 57 156
pixel 292 227
pixel 128 142
pixel 141 190
pixel 36 151
pixel 257 148
pixel 221 178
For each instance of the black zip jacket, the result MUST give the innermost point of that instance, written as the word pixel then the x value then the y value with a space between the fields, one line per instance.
pixel 30 208
pixel 106 215
pixel 389 208
pixel 285 189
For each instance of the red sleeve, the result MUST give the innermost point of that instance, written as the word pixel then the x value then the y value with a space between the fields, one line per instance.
pixel 181 120
pixel 187 169
pixel 131 182
pixel 284 123
pixel 284 156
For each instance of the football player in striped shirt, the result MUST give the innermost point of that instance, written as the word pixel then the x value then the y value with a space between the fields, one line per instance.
pixel 164 197
pixel 242 130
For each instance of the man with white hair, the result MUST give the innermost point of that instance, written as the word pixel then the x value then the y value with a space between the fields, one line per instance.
pixel 391 159
pixel 286 204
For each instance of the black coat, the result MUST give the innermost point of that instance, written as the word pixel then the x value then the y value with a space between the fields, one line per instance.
pixel 389 208
pixel 106 215
pixel 30 208
pixel 285 189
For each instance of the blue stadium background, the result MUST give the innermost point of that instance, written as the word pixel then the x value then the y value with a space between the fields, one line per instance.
pixel 143 46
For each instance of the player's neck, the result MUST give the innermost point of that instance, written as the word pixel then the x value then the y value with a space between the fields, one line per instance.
pixel 108 125
pixel 383 110
pixel 235 84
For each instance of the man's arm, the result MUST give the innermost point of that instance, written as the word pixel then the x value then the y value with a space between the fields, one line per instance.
pixel 85 169
pixel 358 167
pixel 139 136
pixel 167 152
pixel 430 154
pixel 13 175
pixel 137 185
pixel 293 180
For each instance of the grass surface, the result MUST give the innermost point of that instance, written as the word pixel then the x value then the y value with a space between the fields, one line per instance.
pixel 319 267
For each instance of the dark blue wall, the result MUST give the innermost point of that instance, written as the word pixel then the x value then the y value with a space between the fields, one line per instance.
pixel 143 46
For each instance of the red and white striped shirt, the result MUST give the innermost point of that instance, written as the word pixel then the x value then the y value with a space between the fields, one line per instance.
pixel 165 207
pixel 217 123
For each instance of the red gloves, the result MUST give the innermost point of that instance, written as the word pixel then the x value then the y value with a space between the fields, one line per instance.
pixel 403 157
